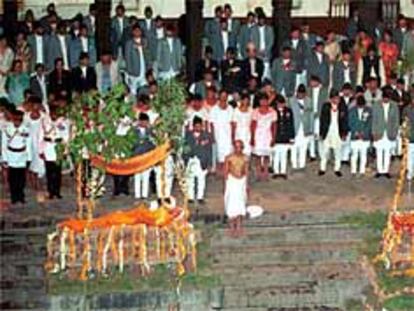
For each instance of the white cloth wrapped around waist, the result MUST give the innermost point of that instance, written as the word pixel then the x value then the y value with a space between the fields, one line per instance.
pixel 235 197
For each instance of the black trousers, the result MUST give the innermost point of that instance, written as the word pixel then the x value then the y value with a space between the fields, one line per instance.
pixel 53 177
pixel 17 183
pixel 121 185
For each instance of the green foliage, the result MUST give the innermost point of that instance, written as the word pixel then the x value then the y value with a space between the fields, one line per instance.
pixel 400 303
pixel 170 104
pixel 96 118
pixel 390 283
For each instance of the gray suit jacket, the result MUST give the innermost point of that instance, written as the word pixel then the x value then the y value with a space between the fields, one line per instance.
pixel 31 40
pixel 299 54
pixel 75 50
pixel 269 39
pixel 88 23
pixel 54 50
pixel 322 98
pixel 244 38
pixel 211 28
pixel 133 58
pixel 320 70
pixel 167 59
pixel 218 45
pixel 379 125
pixel 117 35
pixel 302 115
pixel 360 126
pixel 338 75
pixel 150 35
pixel 284 78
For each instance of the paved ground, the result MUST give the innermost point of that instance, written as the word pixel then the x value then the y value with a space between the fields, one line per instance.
pixel 302 191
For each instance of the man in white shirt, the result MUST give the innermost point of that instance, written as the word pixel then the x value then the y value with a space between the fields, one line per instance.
pixel 16 155
pixel 385 124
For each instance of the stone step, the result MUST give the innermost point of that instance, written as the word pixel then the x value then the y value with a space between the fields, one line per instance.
pixel 289 235
pixel 328 293
pixel 286 255
pixel 289 274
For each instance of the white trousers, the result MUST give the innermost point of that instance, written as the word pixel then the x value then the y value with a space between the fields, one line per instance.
pixel 134 83
pixel 325 152
pixel 266 70
pixel 314 144
pixel 280 155
pixel 346 148
pixel 359 151
pixel 383 148
pixel 196 179
pixel 298 152
pixel 301 78
pixel 141 184
pixel 168 178
pixel 410 161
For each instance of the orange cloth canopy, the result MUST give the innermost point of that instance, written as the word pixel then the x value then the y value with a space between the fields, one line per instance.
pixel 141 215
pixel 135 164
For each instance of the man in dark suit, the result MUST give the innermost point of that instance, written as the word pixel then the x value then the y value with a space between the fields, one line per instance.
pixel 285 135
pixel 333 130
pixel 90 20
pixel 231 72
pixel 245 35
pixel 38 83
pixel 119 26
pixel 344 71
pixel 147 26
pixel 284 71
pixel 360 123
pixel 318 64
pixel 198 159
pixel 400 31
pixel 300 52
pixel 143 145
pixel 212 26
pixel 84 76
pixel 59 80
pixel 222 40
pixel 252 66
pixel 207 63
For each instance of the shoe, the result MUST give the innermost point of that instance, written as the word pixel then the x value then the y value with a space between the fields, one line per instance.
pixel 378 175
pixel 190 201
pixel 59 196
pixel 201 202
pixel 321 173
pixel 284 176
pixel 275 176
pixel 338 174
pixel 312 159
pixel 51 196
pixel 387 175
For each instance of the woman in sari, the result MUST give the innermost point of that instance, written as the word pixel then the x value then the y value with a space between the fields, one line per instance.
pixel 17 82
pixel 389 53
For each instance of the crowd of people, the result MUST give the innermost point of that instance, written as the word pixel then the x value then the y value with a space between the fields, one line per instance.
pixel 321 97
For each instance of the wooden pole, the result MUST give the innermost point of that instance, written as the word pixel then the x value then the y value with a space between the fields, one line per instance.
pixel 103 25
pixel 10 8
pixel 281 23
pixel 193 35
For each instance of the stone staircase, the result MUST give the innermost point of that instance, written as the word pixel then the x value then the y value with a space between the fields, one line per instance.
pixel 286 261
pixel 290 262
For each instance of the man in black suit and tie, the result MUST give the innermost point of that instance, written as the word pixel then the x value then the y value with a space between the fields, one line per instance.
pixel 38 83
pixel 252 66
pixel 83 76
